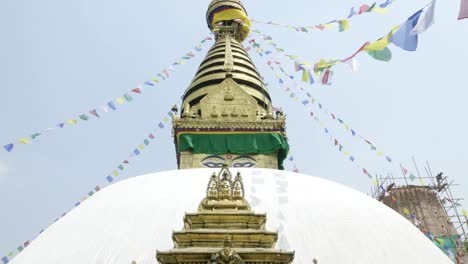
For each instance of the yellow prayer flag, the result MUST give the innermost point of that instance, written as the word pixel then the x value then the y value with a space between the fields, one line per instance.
pixel 24 141
pixel 72 122
pixel 421 182
pixel 375 182
pixel 441 241
pixel 328 26
pixel 156 80
pixel 347 127
pixel 120 100
pixel 115 173
pixel 406 211
pixel 322 124
pixel 381 43
pixel 141 147
pixel 346 153
pixel 297 99
pixel 305 76
pixel 84 198
pixel 380 153
pixel 380 10
pixel 465 213
pixel 165 119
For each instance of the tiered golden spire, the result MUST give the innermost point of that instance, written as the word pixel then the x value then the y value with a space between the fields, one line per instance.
pixel 224 230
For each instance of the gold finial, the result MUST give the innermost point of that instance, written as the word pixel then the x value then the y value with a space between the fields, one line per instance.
pixel 238 192
pixel 212 189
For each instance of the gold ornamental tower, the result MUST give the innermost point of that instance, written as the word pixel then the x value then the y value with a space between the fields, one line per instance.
pixel 227 121
pixel 226 114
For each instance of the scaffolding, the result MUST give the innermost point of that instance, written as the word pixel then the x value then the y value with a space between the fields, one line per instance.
pixel 442 186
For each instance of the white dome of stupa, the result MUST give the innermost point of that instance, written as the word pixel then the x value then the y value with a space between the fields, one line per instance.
pixel 320 219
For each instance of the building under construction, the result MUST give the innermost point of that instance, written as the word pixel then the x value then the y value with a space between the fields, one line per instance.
pixel 429 203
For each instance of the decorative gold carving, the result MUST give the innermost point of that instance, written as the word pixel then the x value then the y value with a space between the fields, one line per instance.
pixel 226 255
pixel 228 58
pixel 224 232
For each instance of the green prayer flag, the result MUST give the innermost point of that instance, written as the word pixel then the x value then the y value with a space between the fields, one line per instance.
pixel 381 55
pixel 20 248
pixel 34 136
pixel 121 167
pixel 146 142
pixel 84 117
pixel 128 97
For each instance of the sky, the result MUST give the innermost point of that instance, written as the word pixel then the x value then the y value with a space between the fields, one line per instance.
pixel 59 59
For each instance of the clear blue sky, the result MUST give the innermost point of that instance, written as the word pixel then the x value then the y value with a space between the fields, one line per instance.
pixel 62 58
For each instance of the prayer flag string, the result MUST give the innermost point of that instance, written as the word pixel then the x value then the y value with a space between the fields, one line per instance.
pixel 343 24
pixel 336 143
pixel 109 179
pixel 111 105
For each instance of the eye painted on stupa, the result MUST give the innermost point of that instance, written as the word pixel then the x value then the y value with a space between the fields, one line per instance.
pixel 213 161
pixel 244 161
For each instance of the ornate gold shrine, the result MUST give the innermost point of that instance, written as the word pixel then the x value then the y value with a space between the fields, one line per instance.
pixel 224 230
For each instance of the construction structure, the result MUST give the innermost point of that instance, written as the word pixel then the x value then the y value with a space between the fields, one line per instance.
pixel 430 206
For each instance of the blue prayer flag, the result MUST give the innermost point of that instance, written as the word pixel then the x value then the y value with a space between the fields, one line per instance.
pixel 137 152
pixel 5 260
pixel 109 179
pixel 61 125
pixel 161 125
pixel 111 105
pixel 403 37
pixel 149 83
pixel 9 147
pixel 78 203
pixel 351 158
pixel 353 132
pixel 311 78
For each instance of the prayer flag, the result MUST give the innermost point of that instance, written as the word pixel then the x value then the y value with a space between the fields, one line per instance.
pixel 72 122
pixel 426 20
pixel 128 97
pixel 352 12
pixel 155 80
pixel 77 204
pixel 115 173
pixel 24 141
pixel 326 77
pixel 120 100
pixel 149 83
pixel 141 147
pixel 405 171
pixel 463 9
pixel 94 113
pixel 61 125
pixel 403 37
pixel 388 159
pixel 121 167
pixel 351 158
pixel 35 135
pixel 104 109
pixel 412 177
pixel 26 243
pixel 343 25
pixel 161 125
pixel 363 9
pixel 20 248
pixel 381 55
pixel 465 213
pixel 406 210
pixel 136 152
pixel 5 260
pixel 151 136
pixel 137 90
pixel 9 147
pixel 84 117
pixel 111 105
pixel 146 142
pixel 125 161
pixel 109 179
pixel 353 132
pixel 384 5
pixel 91 193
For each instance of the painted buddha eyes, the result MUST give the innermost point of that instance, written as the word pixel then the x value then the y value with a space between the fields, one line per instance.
pixel 216 161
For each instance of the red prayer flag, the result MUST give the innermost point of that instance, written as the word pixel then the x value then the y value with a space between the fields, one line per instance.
pixel 363 9
pixel 26 243
pixel 405 171
pixel 94 113
pixel 463 9
pixel 137 90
